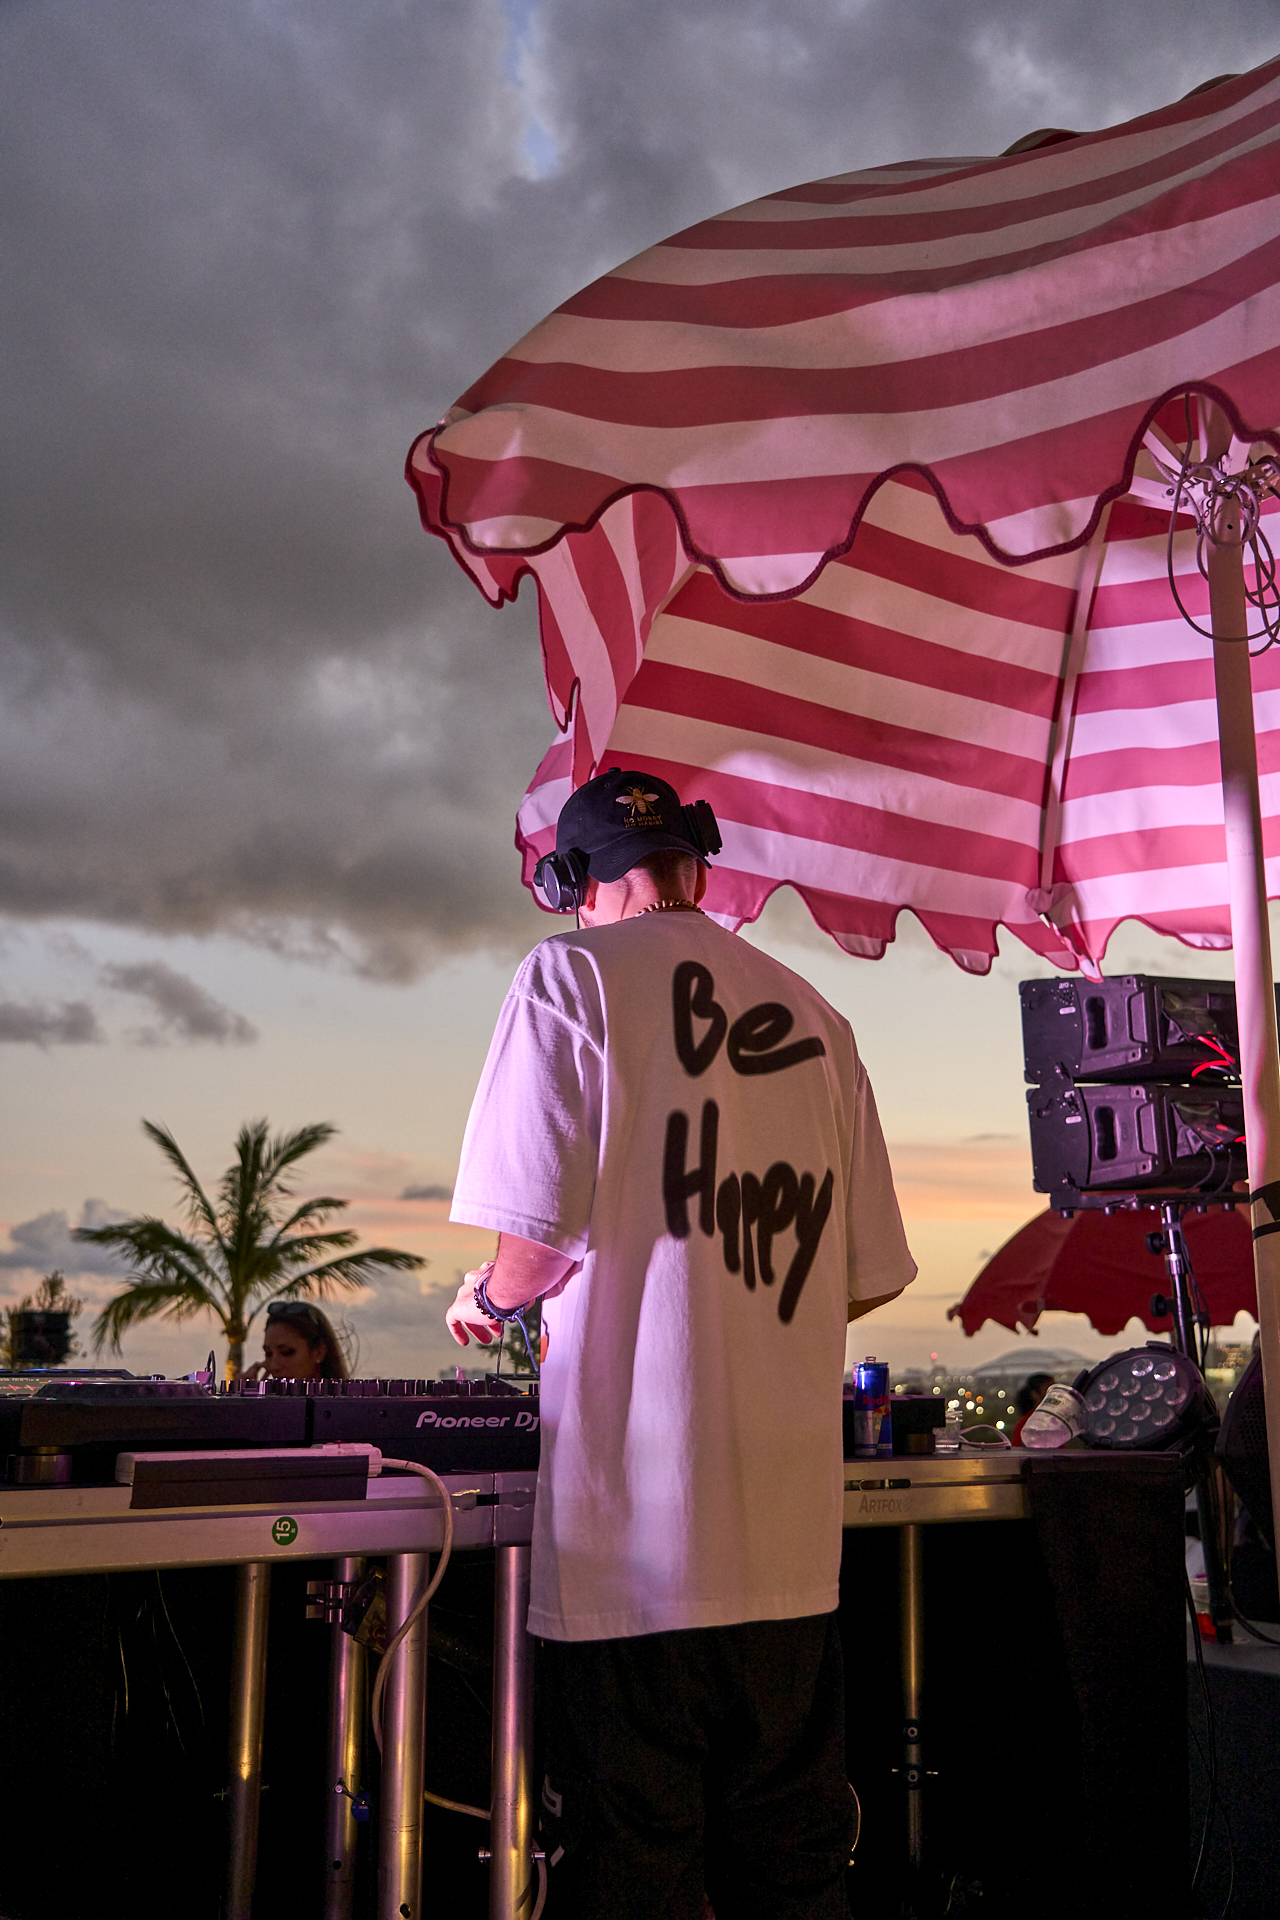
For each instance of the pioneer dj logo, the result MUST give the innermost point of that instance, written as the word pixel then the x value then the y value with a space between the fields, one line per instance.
pixel 526 1421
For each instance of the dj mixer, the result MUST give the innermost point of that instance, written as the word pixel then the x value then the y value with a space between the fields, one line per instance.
pixel 63 1430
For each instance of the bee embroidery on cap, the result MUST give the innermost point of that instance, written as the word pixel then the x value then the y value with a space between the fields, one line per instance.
pixel 640 809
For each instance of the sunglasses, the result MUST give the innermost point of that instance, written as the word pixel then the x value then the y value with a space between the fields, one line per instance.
pixel 297 1310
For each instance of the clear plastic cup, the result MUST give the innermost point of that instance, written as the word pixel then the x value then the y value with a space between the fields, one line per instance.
pixel 1059 1418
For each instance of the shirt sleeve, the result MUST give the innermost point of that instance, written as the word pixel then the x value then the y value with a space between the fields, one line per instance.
pixel 879 1259
pixel 532 1144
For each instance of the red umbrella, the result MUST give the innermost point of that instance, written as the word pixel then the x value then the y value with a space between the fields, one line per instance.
pixel 1098 1263
pixel 845 510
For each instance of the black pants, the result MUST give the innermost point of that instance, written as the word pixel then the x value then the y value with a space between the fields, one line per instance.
pixel 709 1760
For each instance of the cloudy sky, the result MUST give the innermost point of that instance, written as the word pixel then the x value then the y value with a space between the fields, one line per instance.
pixel 260 741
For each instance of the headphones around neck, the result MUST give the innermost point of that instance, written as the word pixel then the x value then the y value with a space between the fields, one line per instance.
pixel 562 878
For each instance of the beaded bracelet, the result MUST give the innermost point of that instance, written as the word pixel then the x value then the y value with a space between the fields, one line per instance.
pixel 480 1294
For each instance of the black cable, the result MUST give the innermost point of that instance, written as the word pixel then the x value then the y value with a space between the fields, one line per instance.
pixel 528 1345
pixel 1213 1807
pixel 1211 1769
pixel 164 1608
pixel 1225 1908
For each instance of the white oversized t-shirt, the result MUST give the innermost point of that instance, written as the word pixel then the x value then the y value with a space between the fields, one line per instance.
pixel 691 1121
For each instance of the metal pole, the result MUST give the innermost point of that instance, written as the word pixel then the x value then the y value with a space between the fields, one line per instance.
pixel 248 1692
pixel 511 1868
pixel 404 1728
pixel 911 1629
pixel 346 1727
pixel 1175 1265
pixel 1250 928
pixel 1178 1267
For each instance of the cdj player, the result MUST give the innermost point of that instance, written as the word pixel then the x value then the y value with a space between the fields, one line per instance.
pixel 70 1430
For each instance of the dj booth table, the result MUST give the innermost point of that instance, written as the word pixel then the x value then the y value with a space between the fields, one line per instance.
pixel 70 1530
pixel 1074 1502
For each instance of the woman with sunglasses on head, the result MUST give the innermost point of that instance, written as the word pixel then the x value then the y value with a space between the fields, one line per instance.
pixel 298 1343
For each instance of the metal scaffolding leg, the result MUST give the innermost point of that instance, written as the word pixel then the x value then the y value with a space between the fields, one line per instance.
pixel 911 1603
pixel 404 1721
pixel 248 1691
pixel 346 1744
pixel 511 1867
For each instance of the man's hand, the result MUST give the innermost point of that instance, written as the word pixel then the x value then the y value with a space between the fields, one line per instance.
pixel 522 1273
pixel 464 1318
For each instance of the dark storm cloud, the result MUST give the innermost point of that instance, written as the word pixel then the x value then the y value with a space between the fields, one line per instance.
pixel 250 251
pixel 38 1023
pixel 183 1010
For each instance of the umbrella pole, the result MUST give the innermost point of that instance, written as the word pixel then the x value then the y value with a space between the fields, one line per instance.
pixel 1250 936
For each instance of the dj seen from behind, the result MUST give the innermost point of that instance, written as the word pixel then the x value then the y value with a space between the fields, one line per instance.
pixel 678 1146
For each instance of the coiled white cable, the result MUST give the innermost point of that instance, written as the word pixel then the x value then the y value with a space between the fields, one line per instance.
pixel 419 1606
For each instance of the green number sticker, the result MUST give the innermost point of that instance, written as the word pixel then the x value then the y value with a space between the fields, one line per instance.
pixel 284 1531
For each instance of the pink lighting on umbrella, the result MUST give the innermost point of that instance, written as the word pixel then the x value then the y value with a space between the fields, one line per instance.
pixel 769 477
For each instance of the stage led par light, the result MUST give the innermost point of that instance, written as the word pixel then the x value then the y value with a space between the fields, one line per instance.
pixel 1145 1400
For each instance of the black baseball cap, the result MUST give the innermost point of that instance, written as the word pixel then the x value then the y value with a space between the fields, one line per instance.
pixel 620 818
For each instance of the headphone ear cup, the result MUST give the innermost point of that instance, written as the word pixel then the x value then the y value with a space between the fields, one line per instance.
pixel 576 892
pixel 562 880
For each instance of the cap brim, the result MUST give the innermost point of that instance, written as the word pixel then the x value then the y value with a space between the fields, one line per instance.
pixel 611 862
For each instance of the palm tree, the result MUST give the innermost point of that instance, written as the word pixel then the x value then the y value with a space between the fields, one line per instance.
pixel 242 1249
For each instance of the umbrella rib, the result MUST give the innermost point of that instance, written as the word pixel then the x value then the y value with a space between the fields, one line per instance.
pixel 1073 660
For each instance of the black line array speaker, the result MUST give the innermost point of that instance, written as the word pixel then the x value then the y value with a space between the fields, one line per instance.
pixel 1135 1085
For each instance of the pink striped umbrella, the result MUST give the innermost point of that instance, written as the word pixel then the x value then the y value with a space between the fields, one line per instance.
pixel 847 511
pixel 817 499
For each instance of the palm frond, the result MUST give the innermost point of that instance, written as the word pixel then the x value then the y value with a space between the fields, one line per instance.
pixel 346 1274
pixel 176 1299
pixel 287 1149
pixel 148 1241
pixel 199 1205
pixel 305 1246
pixel 317 1209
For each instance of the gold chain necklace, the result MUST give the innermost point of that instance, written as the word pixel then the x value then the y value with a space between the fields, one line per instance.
pixel 668 906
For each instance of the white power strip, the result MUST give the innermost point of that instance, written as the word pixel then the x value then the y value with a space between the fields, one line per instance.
pixel 126 1462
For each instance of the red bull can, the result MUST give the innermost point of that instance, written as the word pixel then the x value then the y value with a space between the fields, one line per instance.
pixel 872 1422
